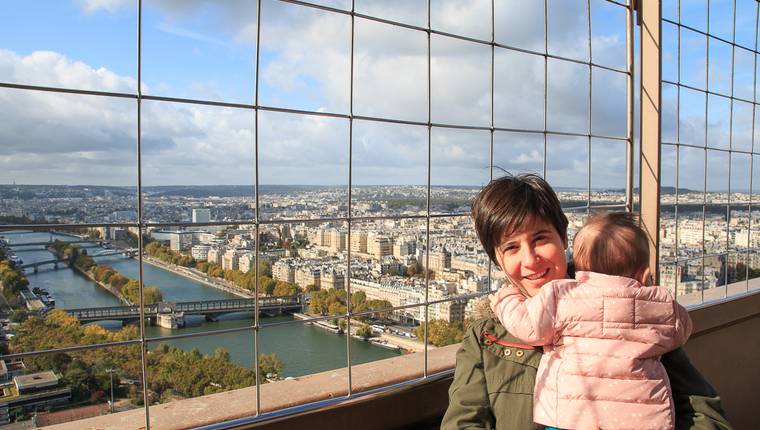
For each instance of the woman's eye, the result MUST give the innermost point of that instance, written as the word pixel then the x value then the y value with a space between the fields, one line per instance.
pixel 508 249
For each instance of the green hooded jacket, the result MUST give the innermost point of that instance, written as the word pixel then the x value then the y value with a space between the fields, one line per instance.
pixel 494 380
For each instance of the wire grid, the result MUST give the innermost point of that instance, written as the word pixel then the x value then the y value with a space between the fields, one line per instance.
pixel 142 224
pixel 723 257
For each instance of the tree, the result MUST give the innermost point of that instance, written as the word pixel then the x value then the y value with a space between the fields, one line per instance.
pixel 412 270
pixel 152 295
pixel 222 354
pixel 265 269
pixel 336 308
pixel 300 241
pixel 364 331
pixel 266 285
pixel 741 272
pixel 214 270
pixel 202 266
pixel 18 315
pixel 383 308
pixel 270 365
pixel 285 289
pixel 312 288
pixel 358 298
pixel 441 332
pixel 318 304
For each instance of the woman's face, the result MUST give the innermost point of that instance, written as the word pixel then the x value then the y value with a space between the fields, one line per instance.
pixel 532 257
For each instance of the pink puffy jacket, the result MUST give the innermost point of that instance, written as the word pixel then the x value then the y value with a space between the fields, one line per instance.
pixel 603 337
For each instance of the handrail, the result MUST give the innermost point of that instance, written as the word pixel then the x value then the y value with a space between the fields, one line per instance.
pixel 330 404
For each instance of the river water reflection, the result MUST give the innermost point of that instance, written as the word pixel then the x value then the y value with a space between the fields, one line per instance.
pixel 303 349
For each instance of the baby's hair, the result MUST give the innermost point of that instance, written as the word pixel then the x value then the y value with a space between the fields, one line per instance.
pixel 611 243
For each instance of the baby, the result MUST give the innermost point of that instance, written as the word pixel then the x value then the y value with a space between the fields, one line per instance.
pixel 603 333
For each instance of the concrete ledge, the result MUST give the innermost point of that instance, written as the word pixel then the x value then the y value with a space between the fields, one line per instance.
pixel 230 405
pixel 725 347
pixel 732 310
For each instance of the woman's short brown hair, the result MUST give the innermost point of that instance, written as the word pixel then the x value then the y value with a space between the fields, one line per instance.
pixel 510 202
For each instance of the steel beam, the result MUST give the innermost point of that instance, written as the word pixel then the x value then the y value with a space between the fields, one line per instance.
pixel 650 12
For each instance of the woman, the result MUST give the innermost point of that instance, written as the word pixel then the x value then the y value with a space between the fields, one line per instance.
pixel 522 228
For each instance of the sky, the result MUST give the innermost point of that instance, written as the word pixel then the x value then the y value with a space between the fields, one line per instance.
pixel 206 50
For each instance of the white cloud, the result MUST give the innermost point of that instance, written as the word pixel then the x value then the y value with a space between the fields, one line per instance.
pixel 306 65
pixel 111 6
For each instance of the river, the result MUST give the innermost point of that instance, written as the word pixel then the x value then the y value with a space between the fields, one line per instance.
pixel 303 349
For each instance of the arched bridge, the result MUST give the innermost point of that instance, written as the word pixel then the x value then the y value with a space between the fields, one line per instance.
pixel 88 243
pixel 208 307
pixel 56 261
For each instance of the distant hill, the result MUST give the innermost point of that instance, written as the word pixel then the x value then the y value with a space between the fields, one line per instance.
pixel 200 191
pixel 25 192
pixel 663 190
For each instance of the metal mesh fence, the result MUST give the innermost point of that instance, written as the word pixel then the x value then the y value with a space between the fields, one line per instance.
pixel 551 136
pixel 708 123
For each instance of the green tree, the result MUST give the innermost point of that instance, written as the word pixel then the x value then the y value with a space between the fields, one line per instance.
pixel 265 269
pixel 364 331
pixel 300 241
pixel 318 304
pixel 358 298
pixel 382 308
pixel 18 315
pixel 266 285
pixel 202 266
pixel 222 354
pixel 312 288
pixel 152 295
pixel 270 365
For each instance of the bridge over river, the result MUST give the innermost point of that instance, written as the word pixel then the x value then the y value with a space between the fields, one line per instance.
pixel 130 252
pixel 87 243
pixel 209 308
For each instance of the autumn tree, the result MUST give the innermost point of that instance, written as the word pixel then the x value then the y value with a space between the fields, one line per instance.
pixel 283 288
pixel 441 332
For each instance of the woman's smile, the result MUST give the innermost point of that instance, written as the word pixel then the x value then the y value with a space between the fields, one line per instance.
pixel 533 256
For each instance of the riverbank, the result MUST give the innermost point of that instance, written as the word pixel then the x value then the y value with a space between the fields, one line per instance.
pixel 406 344
pixel 59 252
pixel 108 288
pixel 326 325
pixel 198 276
pixel 384 340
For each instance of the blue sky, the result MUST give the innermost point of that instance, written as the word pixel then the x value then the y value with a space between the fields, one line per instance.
pixel 206 50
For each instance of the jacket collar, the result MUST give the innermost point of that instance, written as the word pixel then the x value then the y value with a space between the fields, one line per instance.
pixel 602 280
